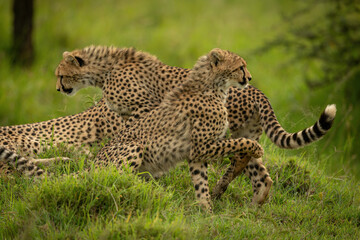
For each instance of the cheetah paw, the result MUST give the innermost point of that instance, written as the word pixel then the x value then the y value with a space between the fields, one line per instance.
pixel 263 193
pixel 258 152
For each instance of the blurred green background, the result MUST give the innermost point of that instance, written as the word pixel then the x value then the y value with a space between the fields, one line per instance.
pixel 302 54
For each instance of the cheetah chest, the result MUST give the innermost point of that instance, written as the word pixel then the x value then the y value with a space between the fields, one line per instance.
pixel 164 150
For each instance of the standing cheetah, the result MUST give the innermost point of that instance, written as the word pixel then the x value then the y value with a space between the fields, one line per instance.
pixel 134 82
pixel 190 123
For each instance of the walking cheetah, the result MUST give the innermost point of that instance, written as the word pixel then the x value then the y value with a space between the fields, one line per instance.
pixel 134 82
pixel 190 123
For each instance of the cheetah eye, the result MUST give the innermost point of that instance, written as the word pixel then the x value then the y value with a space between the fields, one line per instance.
pixel 237 69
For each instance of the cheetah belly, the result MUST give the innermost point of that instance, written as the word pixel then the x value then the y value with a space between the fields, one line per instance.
pixel 173 150
pixel 250 129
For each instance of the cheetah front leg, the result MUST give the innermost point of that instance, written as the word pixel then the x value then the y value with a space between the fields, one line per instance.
pixel 220 148
pixel 216 149
pixel 254 169
pixel 237 166
pixel 199 177
pixel 244 164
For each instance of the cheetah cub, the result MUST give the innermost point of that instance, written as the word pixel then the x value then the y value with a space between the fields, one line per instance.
pixel 190 123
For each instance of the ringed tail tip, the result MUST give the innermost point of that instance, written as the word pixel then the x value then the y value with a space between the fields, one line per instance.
pixel 330 111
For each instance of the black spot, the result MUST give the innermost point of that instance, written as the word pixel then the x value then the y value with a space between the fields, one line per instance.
pixel 8 155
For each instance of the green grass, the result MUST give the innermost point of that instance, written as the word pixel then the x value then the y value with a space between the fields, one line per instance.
pixel 102 204
pixel 315 192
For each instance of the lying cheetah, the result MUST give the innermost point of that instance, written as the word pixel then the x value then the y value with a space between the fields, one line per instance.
pixel 190 123
pixel 134 82
pixel 80 130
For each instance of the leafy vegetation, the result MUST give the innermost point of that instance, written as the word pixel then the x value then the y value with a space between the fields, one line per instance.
pixel 325 38
pixel 315 192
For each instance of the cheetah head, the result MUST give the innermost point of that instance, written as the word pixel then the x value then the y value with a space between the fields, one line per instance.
pixel 71 74
pixel 228 69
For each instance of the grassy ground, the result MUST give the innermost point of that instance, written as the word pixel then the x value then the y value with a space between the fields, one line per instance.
pixel 305 203
pixel 323 203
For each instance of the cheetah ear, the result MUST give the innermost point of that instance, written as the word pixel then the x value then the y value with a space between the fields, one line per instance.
pixel 216 56
pixel 74 60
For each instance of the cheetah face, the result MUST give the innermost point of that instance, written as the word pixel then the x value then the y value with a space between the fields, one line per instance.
pixel 229 69
pixel 70 74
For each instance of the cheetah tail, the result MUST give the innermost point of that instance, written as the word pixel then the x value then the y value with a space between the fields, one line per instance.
pixel 283 139
pixel 20 163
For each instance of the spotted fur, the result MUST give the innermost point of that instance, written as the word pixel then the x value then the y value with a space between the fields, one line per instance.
pixel 190 123
pixel 134 82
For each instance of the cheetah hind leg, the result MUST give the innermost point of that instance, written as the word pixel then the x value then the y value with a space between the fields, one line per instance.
pixel 260 180
pixel 120 155
pixel 237 166
pixel 6 169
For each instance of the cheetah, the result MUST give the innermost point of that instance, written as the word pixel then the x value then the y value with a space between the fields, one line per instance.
pixel 134 82
pixel 190 123
pixel 20 143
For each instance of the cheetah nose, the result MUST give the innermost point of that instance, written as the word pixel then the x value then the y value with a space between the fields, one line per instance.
pixel 58 89
pixel 249 78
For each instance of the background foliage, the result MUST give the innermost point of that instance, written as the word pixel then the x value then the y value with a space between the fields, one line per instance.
pixel 325 39
pixel 302 54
